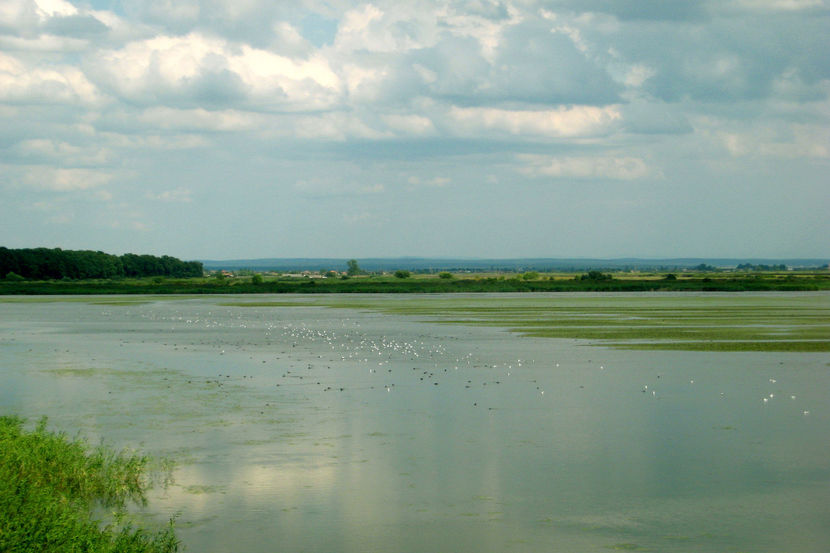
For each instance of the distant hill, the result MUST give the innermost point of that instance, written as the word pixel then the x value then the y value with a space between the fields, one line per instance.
pixel 424 264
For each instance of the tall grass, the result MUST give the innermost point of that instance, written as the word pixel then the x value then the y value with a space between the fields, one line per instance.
pixel 50 486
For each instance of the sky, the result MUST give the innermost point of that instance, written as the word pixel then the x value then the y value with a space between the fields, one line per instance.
pixel 234 129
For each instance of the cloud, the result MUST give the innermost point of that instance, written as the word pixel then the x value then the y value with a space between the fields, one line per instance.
pixel 409 125
pixel 21 83
pixel 50 150
pixel 84 26
pixel 327 186
pixel 197 70
pixel 657 10
pixel 371 29
pixel 653 117
pixel 155 142
pixel 572 122
pixel 52 8
pixel 178 195
pixel 360 108
pixel 542 63
pixel 435 182
pixel 63 180
pixel 332 126
pixel 585 167
pixel 195 120
pixel 780 5
pixel 794 141
pixel 731 59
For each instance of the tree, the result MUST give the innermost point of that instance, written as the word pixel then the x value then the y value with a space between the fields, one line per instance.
pixel 256 279
pixel 400 273
pixel 445 275
pixel 531 275
pixel 353 268
pixel 595 275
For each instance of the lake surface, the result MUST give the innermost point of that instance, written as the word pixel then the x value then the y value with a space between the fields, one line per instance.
pixel 309 428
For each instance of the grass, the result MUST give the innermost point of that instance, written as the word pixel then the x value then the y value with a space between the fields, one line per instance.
pixel 51 486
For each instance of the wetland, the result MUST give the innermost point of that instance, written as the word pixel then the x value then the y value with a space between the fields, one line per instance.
pixel 487 422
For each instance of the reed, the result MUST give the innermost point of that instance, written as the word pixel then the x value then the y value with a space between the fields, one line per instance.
pixel 51 488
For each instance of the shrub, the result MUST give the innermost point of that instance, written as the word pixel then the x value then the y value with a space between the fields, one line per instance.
pixel 445 275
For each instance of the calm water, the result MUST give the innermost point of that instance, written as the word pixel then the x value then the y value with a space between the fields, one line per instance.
pixel 314 429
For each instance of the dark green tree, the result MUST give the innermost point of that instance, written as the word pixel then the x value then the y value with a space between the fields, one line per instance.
pixel 595 275
pixel 353 268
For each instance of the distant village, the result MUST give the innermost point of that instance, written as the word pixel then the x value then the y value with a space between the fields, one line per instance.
pixel 303 274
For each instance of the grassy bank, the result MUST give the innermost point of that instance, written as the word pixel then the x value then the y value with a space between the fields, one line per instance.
pixel 716 282
pixel 51 486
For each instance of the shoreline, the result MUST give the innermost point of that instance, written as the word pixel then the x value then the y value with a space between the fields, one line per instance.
pixel 382 285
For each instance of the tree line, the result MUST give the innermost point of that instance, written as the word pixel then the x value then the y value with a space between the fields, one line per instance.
pixel 55 263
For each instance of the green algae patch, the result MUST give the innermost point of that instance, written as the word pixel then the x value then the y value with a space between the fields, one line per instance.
pixel 627 547
pixel 781 346
pixel 120 303
pixel 721 323
pixel 86 372
pixel 269 304
pixel 199 490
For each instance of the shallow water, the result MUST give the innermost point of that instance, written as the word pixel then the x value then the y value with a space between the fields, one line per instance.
pixel 304 428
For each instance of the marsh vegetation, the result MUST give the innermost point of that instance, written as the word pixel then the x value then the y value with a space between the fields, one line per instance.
pixel 54 491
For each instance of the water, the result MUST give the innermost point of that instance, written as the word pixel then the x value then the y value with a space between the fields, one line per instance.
pixel 303 428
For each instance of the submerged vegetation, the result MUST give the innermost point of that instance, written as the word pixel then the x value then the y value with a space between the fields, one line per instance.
pixel 51 487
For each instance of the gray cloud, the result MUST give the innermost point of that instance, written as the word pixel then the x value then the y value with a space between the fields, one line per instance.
pixel 538 65
pixel 730 59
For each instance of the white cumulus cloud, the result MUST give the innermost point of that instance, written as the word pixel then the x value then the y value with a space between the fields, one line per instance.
pixel 571 122
pixel 205 70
